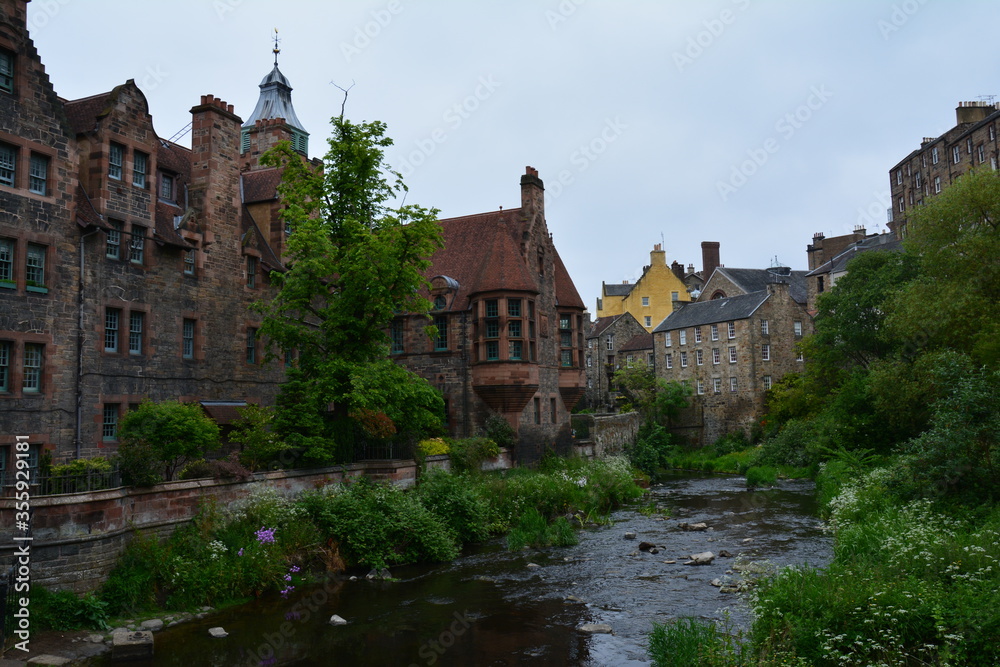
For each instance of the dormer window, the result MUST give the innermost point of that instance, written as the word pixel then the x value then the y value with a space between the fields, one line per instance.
pixel 167 187
pixel 440 303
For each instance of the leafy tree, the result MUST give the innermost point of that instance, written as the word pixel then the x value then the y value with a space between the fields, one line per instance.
pixel 254 432
pixel 354 262
pixel 658 401
pixel 167 434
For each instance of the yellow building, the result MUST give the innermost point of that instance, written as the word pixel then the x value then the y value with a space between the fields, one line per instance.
pixel 651 298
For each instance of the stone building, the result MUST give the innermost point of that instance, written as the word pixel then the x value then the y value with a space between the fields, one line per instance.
pixel 972 143
pixel 510 326
pixel 605 340
pixel 729 350
pixel 127 262
pixel 824 274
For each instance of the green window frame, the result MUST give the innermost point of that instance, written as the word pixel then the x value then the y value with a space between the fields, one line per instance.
pixel 31 382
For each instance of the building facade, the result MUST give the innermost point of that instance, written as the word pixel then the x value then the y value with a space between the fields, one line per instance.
pixel 127 262
pixel 606 339
pixel 510 326
pixel 649 299
pixel 972 143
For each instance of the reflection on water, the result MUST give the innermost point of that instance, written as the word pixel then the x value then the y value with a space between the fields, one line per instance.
pixel 489 608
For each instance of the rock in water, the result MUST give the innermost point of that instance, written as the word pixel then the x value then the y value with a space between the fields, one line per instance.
pixel 646 546
pixel 337 620
pixel 629 536
pixel 704 558
pixel 218 633
pixel 692 526
pixel 595 628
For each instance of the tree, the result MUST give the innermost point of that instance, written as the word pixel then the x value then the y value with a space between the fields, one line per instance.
pixel 254 432
pixel 169 434
pixel 658 401
pixel 353 263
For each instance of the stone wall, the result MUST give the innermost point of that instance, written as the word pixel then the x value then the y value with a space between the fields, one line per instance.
pixel 611 433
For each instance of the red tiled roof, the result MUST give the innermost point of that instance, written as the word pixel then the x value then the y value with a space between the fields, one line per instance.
pixel 260 185
pixel 83 113
pixel 86 214
pixel 643 341
pixel 165 232
pixel 175 158
pixel 566 294
pixel 258 241
pixel 481 253
pixel 600 324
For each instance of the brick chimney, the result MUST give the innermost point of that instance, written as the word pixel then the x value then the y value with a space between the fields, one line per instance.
pixel 678 269
pixel 973 112
pixel 709 258
pixel 532 194
pixel 215 176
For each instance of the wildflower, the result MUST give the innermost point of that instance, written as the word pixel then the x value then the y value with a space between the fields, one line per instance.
pixel 265 535
pixel 288 577
pixel 293 569
pixel 240 552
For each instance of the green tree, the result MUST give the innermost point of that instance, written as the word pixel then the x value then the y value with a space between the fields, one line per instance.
pixel 254 432
pixel 354 262
pixel 168 434
pixel 657 400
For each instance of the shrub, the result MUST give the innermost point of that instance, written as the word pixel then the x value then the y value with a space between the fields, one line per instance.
pixel 652 448
pixel 138 463
pixel 131 585
pixel 253 431
pixel 454 500
pixel 499 430
pixel 790 446
pixel 175 433
pixel 433 447
pixel 199 469
pixel 690 642
pixel 468 454
pixel 731 443
pixel 63 610
pixel 761 476
pixel 534 530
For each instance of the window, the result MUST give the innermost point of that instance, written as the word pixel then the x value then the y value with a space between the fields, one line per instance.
pixel 682 336
pixel 113 244
pixel 138 245
pixel 564 322
pixel 32 380
pixel 440 302
pixel 7 71
pixel 649 358
pixel 251 345
pixel 699 357
pixel 901 204
pixel 937 184
pixel 799 357
pixel 492 309
pixel 797 328
pixel 764 327
pixel 701 387
pixel 189 261
pixel 492 329
pixel 716 356
pixel 916 178
pixel 34 266
pixel 715 332
pixel 684 359
pixel 648 320
pixel 396 336
pixel 697 334
pixel 187 339
pixel 670 339
pixel 566 358
pixel 139 165
pixel 716 385
pixel 956 154
pixel 441 340
pixel 765 352
pixel 670 360
pixel 6 261
pixel 8 164
pixel 514 331
pixel 732 354
pixel 968 145
pixel 767 382
pixel 514 310
pixel 492 350
pixel 516 350
pixel 109 423
pixel 645 301
pixel 538 410
pixel 112 318
pixel 610 341
pixel 136 321
pixel 116 158
pixel 675 296
pixel 934 155
pixel 732 385
pixel 4 366
pixel 167 187
pixel 251 272
pixel 982 154
pixel 899 177
pixel 38 174
pixel 590 361
pixel 565 337
pixel 732 330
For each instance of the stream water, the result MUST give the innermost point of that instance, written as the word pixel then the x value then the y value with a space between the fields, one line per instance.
pixel 489 607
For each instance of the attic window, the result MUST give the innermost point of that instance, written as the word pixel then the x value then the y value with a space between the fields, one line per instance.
pixel 440 303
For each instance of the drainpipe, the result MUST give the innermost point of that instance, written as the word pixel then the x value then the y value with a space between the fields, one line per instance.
pixel 465 376
pixel 78 430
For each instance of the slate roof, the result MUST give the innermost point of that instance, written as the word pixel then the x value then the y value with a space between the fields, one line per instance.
pixel 643 341
pixel 700 313
pixel 618 289
pixel 260 185
pixel 566 294
pixel 176 158
pixel 602 323
pixel 755 280
pixel 879 242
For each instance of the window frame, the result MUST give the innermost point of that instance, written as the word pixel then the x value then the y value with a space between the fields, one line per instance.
pixel 139 176
pixel 110 414
pixel 34 272
pixel 7 257
pixel 137 245
pixel 6 355
pixel 715 332
pixel 251 272
pixel 733 356
pixel 189 329
pixel 136 334
pixel 441 339
pixel 112 330
pixel 8 166
pixel 731 330
pixel 38 183
pixel 716 356
pixel 116 161
pixel 7 73
pixel 251 346
pixel 765 352
pixel 113 239
pixel 733 385
pixel 32 373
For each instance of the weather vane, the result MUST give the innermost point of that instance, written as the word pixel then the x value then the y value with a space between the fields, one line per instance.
pixel 276 49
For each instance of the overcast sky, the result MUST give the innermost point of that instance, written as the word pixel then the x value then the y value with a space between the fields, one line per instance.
pixel 755 123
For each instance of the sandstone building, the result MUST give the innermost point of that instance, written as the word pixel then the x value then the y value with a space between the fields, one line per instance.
pixel 609 342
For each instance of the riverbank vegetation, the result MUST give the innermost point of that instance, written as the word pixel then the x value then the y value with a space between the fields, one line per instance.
pixel 269 543
pixel 898 412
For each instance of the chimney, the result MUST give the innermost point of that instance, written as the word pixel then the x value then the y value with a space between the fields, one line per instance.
pixel 532 194
pixel 215 175
pixel 973 112
pixel 709 258
pixel 658 257
pixel 690 268
pixel 678 269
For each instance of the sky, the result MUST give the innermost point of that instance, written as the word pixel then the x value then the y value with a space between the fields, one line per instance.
pixel 755 123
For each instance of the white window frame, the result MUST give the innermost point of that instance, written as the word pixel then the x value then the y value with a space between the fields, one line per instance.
pixel 935 156
pixel 732 354
pixel 716 385
pixel 765 352
pixel 645 301
pixel 669 360
pixel 699 358
pixel 732 330
pixel 937 184
pixel 669 339
pixel 684 359
pixel 697 334
pixel 116 161
pixel 797 328
pixel 682 337
pixel 733 385
pixel 956 154
pixel 715 332
pixel 767 382
pixel 716 356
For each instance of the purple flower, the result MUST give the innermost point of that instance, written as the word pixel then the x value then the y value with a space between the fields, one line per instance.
pixel 265 535
pixel 240 552
pixel 288 577
pixel 293 569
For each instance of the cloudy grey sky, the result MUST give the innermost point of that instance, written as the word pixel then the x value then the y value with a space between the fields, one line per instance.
pixel 755 123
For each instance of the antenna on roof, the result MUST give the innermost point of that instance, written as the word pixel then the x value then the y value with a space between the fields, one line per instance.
pixel 276 50
pixel 987 98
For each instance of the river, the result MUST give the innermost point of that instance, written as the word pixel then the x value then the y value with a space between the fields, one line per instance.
pixel 489 607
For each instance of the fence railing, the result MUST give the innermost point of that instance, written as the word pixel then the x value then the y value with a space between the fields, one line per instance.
pixel 43 484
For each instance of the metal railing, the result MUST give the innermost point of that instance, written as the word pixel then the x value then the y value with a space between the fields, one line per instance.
pixel 50 485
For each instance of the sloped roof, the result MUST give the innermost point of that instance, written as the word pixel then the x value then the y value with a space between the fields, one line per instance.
pixel 83 113
pixel 755 280
pixel 86 214
pixel 566 293
pixel 260 185
pixel 730 308
pixel 275 101
pixel 618 289
pixel 643 341
pixel 253 237
pixel 176 158
pixel 165 231
pixel 501 266
pixel 600 324
pixel 839 263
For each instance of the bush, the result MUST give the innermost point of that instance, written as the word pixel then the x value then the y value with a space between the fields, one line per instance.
pixel 499 430
pixel 63 610
pixel 790 447
pixel 131 585
pixel 454 500
pixel 174 433
pixel 199 469
pixel 468 454
pixel 534 530
pixel 138 463
pixel 731 443
pixel 690 642
pixel 761 476
pixel 433 447
pixel 652 448
pixel 253 431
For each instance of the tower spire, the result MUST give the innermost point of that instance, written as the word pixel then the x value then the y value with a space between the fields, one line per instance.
pixel 276 50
